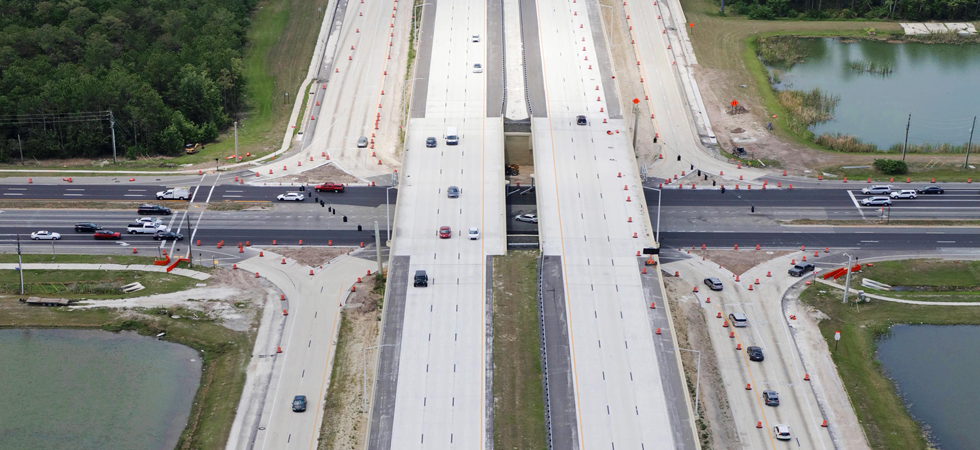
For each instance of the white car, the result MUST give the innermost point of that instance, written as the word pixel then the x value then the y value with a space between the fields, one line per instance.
pixel 474 234
pixel 877 190
pixel 149 220
pixel 294 196
pixel 45 236
pixel 477 68
pixel 529 218
pixel 475 38
pixel 876 201
pixel 909 193
pixel 782 432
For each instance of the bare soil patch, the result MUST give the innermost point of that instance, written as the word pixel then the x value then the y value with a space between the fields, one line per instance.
pixel 715 425
pixel 325 173
pixel 739 261
pixel 310 256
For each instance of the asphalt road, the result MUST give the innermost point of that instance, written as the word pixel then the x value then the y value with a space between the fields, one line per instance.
pixel 864 237
pixel 353 195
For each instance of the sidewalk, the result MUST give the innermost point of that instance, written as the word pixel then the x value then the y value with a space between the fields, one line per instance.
pixel 81 266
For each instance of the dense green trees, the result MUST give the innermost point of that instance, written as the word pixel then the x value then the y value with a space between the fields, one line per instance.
pixel 948 10
pixel 169 70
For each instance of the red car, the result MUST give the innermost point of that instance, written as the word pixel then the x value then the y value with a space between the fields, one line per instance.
pixel 106 234
pixel 335 187
pixel 445 233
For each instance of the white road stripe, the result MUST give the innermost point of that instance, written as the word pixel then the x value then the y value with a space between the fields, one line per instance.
pixel 132 195
pixel 11 193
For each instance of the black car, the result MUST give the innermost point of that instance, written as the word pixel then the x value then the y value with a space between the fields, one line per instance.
pixel 714 284
pixel 581 120
pixel 430 142
pixel 168 236
pixel 299 403
pixel 86 226
pixel 770 397
pixel 755 353
pixel 153 209
pixel 801 269
pixel 931 190
pixel 421 279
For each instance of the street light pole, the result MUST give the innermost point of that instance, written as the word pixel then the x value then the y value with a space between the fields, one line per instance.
pixel 20 266
pixel 659 195
pixel 847 282
pixel 387 213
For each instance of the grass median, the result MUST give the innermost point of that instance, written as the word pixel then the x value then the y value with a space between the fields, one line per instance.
pixel 93 284
pixel 79 259
pixel 879 408
pixel 925 279
pixel 518 417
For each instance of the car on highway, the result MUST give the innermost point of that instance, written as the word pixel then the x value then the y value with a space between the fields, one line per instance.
pixel 907 193
pixel 714 284
pixel 107 234
pixel 421 279
pixel 581 120
pixel 801 269
pixel 430 142
pixel 529 218
pixel 477 68
pixel 738 319
pixel 299 403
pixel 770 397
pixel 153 220
pixel 145 228
pixel 931 190
pixel 86 226
pixel 291 196
pixel 877 190
pixel 329 187
pixel 168 236
pixel 876 201
pixel 474 233
pixel 362 142
pixel 153 209
pixel 452 192
pixel 782 432
pixel 475 38
pixel 45 236
pixel 755 353
pixel 445 232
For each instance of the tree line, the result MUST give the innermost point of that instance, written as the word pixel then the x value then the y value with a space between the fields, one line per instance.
pixel 170 71
pixel 913 10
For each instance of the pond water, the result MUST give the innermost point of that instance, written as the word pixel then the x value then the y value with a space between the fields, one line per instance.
pixel 86 389
pixel 935 368
pixel 939 84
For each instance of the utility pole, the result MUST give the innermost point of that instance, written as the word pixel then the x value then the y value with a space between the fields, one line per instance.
pixel 377 245
pixel 21 145
pixel 968 145
pixel 112 126
pixel 847 282
pixel 636 122
pixel 907 125
pixel 20 266
pixel 236 141
pixel 190 234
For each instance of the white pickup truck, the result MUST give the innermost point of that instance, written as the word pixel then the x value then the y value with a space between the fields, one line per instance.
pixel 177 193
pixel 145 228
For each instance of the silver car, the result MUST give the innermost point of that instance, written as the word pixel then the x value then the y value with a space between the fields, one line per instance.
pixel 877 190
pixel 477 68
pixel 529 218
pixel 452 192
pixel 876 201
pixel 362 142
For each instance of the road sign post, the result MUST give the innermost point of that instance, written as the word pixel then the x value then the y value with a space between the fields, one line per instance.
pixel 836 339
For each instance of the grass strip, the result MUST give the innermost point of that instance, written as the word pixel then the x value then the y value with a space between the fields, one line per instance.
pixel 518 417
pixel 82 259
pixel 95 284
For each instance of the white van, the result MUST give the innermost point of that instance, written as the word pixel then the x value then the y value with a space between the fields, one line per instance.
pixel 452 138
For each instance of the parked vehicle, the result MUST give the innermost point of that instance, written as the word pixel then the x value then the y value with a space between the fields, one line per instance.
pixel 421 279
pixel 714 284
pixel 581 120
pixel 291 196
pixel 299 403
pixel 329 187
pixel 86 227
pixel 191 149
pixel 45 236
pixel 153 209
pixel 801 269
pixel 177 193
pixel 107 234
pixel 877 190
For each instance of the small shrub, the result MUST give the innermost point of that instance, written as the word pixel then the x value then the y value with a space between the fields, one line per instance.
pixel 760 12
pixel 891 166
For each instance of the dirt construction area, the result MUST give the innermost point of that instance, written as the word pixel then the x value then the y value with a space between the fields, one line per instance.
pixel 738 261
pixel 310 256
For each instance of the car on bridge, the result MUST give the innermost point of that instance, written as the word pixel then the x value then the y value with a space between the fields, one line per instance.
pixel 474 234
pixel 529 218
pixel 931 190
pixel 430 142
pixel 581 120
pixel 330 187
pixel 86 227
pixel 445 232
pixel 45 236
pixel 477 68
pixel 877 190
pixel 452 192
pixel 801 269
pixel 291 196
pixel 299 403
pixel 107 234
pixel 421 279
pixel 876 201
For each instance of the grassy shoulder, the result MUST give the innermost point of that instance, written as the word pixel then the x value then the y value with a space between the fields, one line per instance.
pixel 225 354
pixel 518 417
pixel 94 284
pixel 879 408
pixel 925 279
pixel 81 259
pixel 945 171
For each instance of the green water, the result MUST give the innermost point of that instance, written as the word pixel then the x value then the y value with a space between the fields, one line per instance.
pixel 84 389
pixel 939 84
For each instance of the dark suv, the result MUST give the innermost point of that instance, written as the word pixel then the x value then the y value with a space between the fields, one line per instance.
pixel 421 279
pixel 86 226
pixel 801 269
pixel 153 209
pixel 755 353
pixel 430 142
pixel 299 403
pixel 581 120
